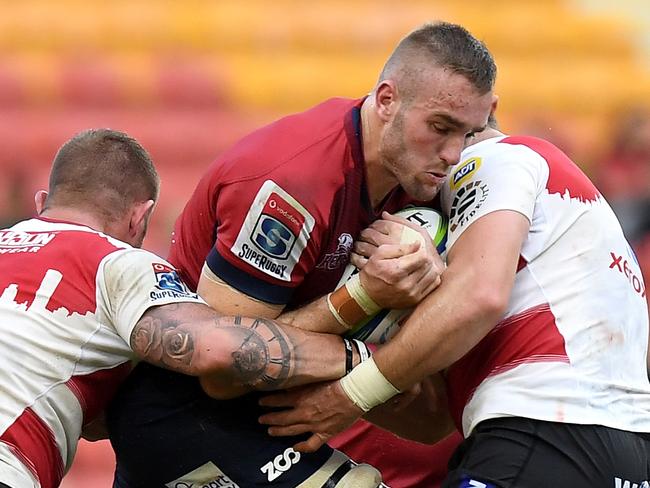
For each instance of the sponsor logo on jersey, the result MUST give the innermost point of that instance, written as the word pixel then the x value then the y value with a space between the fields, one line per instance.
pixel 168 283
pixel 623 483
pixel 336 259
pixel 464 172
pixel 274 233
pixel 280 464
pixel 633 276
pixel 13 242
pixel 466 203
pixel 206 476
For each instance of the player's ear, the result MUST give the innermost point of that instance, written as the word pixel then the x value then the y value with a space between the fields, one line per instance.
pixel 39 200
pixel 140 213
pixel 386 99
pixel 495 103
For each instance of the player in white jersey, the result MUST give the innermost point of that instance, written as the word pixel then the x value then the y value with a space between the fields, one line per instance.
pixel 540 324
pixel 79 300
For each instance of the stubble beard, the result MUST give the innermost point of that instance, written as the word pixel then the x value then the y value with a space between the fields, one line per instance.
pixel 396 159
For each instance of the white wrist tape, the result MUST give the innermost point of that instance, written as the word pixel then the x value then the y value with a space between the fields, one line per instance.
pixel 356 291
pixel 366 386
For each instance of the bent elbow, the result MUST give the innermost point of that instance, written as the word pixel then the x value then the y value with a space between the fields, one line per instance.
pixel 489 304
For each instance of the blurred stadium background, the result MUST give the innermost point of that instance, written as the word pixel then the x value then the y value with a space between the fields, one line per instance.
pixel 188 77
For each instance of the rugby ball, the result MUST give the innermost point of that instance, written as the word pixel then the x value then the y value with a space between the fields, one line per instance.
pixel 384 324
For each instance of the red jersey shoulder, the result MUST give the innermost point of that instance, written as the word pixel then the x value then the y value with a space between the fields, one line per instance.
pixel 285 148
pixel 268 201
pixel 58 264
pixel 269 219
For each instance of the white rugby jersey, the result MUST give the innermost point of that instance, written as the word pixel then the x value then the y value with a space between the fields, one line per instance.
pixel 69 299
pixel 572 344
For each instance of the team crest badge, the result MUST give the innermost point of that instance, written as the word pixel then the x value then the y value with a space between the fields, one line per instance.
pixel 336 259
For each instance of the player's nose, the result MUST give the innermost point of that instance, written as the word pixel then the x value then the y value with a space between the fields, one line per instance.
pixel 450 151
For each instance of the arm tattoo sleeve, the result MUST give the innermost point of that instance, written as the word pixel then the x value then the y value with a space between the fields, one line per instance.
pixel 252 352
pixel 264 358
pixel 163 342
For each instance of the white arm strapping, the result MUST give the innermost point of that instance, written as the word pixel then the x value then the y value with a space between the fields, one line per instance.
pixel 366 386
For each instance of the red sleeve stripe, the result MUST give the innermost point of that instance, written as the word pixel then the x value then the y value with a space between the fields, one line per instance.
pixel 33 442
pixel 527 337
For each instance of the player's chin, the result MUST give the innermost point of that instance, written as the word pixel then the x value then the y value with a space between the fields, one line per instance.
pixel 425 191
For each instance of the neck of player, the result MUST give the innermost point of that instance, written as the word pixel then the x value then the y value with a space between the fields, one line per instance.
pixel 379 180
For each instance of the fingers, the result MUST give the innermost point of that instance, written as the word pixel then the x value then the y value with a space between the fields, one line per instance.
pixel 432 285
pixel 396 219
pixel 358 260
pixel 312 444
pixel 388 231
pixel 411 262
pixel 322 411
pixel 395 279
pixel 424 233
pixel 406 253
pixel 381 232
pixel 283 418
pixel 385 251
pixel 391 251
pixel 315 442
pixel 363 249
pixel 402 260
pixel 288 430
pixel 279 399
pixel 369 240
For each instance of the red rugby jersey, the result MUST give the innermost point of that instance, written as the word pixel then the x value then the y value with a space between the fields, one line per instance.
pixel 275 217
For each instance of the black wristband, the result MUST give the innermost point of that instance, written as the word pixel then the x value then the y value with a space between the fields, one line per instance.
pixel 348 355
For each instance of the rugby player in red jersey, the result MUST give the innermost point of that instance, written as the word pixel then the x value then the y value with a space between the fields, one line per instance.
pixel 268 232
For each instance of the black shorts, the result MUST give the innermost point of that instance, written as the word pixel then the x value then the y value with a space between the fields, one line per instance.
pixel 167 433
pixel 523 453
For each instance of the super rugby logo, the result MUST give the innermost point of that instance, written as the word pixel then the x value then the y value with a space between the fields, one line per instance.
pixel 466 203
pixel 274 233
pixel 168 283
pixel 277 228
pixel 464 172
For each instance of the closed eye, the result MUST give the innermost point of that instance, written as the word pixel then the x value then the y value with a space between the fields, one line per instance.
pixel 440 129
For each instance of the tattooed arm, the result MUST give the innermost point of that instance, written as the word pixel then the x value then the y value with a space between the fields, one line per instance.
pixel 233 354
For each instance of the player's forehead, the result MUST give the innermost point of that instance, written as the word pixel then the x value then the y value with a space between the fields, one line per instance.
pixel 450 97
